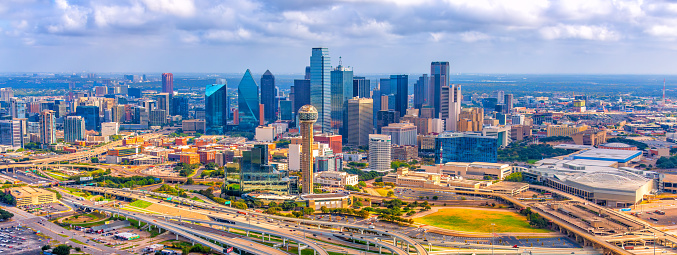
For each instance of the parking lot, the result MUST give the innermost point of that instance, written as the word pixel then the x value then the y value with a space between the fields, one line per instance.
pixel 19 240
pixel 44 208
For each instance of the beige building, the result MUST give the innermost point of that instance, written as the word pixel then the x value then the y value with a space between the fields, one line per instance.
pixel 471 119
pixel 360 121
pixel 328 200
pixel 336 179
pixel 475 170
pixel 31 196
pixel 405 178
pixel 565 130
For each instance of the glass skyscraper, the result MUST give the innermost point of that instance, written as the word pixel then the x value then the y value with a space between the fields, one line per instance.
pixel 216 108
pixel 400 83
pixel 465 147
pixel 248 103
pixel 361 87
pixel 91 115
pixel 257 174
pixel 421 92
pixel 341 91
pixel 320 87
pixel 439 76
pixel 268 96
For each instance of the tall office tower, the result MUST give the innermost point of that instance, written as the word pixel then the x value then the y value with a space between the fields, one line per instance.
pixel 439 77
pixel 134 92
pixel 91 115
pixel 74 129
pixel 307 76
pixel 11 133
pixel 499 95
pixel 384 118
pixel 320 87
pixel 168 83
pixel 451 106
pixel 118 113
pixel 100 91
pixel 17 108
pixel 301 90
pixel 341 91
pixel 47 128
pixel 421 92
pixel 258 174
pixel 268 96
pixel 400 83
pixel 401 133
pixel 307 116
pixel 361 87
pixel 360 121
pixel 471 119
pixel 508 101
pixel 248 102
pixel 286 110
pixel 157 117
pixel 379 152
pixel 164 102
pixel 6 94
pixel 180 106
pixel 216 108
pixel 376 96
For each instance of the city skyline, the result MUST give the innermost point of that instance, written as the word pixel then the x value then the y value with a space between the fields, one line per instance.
pixel 372 37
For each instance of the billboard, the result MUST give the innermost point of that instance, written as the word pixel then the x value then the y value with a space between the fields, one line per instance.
pixel 88 178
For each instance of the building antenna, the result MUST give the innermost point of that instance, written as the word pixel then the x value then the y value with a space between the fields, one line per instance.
pixel 340 61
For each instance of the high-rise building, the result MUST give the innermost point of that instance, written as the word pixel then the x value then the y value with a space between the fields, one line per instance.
pixel 439 77
pixel 168 83
pixel 158 117
pixel 361 87
pixel 384 118
pixel 74 129
pixel 307 116
pixel 451 106
pixel 100 91
pixel 248 102
pixel 380 148
pixel 180 106
pixel 286 110
pixel 17 108
pixel 118 113
pixel 341 91
pixel 508 101
pixel 320 87
pixel 471 119
pixel 499 95
pixel 421 93
pixel 11 133
pixel 301 90
pixel 216 108
pixel 90 114
pixel 134 92
pixel 465 147
pixel 6 94
pixel 258 174
pixel 400 83
pixel 359 122
pixel 268 96
pixel 164 102
pixel 48 128
pixel 502 134
pixel 335 142
pixel 401 133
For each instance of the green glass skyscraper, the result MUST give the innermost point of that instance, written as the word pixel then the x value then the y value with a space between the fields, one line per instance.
pixel 248 102
pixel 216 108
pixel 341 91
pixel 320 87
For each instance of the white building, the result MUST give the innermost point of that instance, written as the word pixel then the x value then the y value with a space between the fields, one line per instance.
pixel 110 128
pixel 401 133
pixel 335 179
pixel 265 134
pixel 319 149
pixel 518 119
pixel 379 152
pixel 437 126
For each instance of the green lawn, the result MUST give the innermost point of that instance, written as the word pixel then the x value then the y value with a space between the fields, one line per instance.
pixel 532 161
pixel 76 241
pixel 140 204
pixel 56 176
pixel 478 220
pixel 197 199
pixel 382 191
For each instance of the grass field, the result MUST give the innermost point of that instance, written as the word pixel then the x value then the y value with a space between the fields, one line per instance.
pixel 140 204
pixel 471 220
pixel 382 191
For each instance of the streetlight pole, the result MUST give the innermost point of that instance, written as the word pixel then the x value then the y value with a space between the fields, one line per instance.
pixel 492 238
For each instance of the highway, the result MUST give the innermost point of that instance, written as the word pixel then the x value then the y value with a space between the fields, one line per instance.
pixel 136 194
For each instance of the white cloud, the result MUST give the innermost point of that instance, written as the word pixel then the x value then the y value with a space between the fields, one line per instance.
pixel 474 36
pixel 126 16
pixel 595 33
pixel 73 18
pixel 181 8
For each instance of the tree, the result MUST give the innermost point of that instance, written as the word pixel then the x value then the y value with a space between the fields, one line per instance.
pixel 308 211
pixel 362 184
pixel 435 197
pixel 240 205
pixel 46 247
pixel 515 177
pixel 190 181
pixel 390 193
pixel 211 166
pixel 324 209
pixel 95 160
pixel 62 250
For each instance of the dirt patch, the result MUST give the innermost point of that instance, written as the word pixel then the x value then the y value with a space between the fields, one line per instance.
pixel 175 211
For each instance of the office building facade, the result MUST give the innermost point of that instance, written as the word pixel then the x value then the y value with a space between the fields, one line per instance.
pixel 380 148
pixel 258 174
pixel 248 103
pixel 216 108
pixel 90 114
pixel 168 83
pixel 421 92
pixel 361 87
pixel 359 122
pixel 400 83
pixel 451 106
pixel 401 133
pixel 268 97
pixel 465 147
pixel 47 128
pixel 11 133
pixel 341 91
pixel 320 87
pixel 301 90
pixel 439 77
pixel 74 129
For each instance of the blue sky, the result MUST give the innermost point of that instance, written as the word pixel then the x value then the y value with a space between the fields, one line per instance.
pixel 372 36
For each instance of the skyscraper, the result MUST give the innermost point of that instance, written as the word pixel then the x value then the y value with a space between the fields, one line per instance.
pixel 90 114
pixel 341 91
pixel 47 128
pixel 216 108
pixel 307 116
pixel 508 101
pixel 168 83
pixel 380 148
pixel 164 102
pixel 360 121
pixel 11 133
pixel 421 92
pixel 451 106
pixel 400 83
pixel 439 77
pixel 268 96
pixel 320 87
pixel 465 147
pixel 248 102
pixel 74 129
pixel 301 90
pixel 361 87
pixel 17 108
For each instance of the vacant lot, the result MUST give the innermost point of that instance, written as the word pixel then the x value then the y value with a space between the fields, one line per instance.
pixel 471 220
pixel 140 204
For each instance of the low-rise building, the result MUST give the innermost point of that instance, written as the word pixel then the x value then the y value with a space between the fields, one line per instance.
pixel 404 152
pixel 31 196
pixel 407 178
pixel 335 179
pixel 190 158
pixel 328 200
pixel 475 170
pixel 194 126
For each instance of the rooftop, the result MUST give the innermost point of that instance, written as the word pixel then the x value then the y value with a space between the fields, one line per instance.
pixel 608 154
pixel 324 196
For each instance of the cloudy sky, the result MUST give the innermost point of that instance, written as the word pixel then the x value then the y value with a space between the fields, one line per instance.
pixel 372 36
